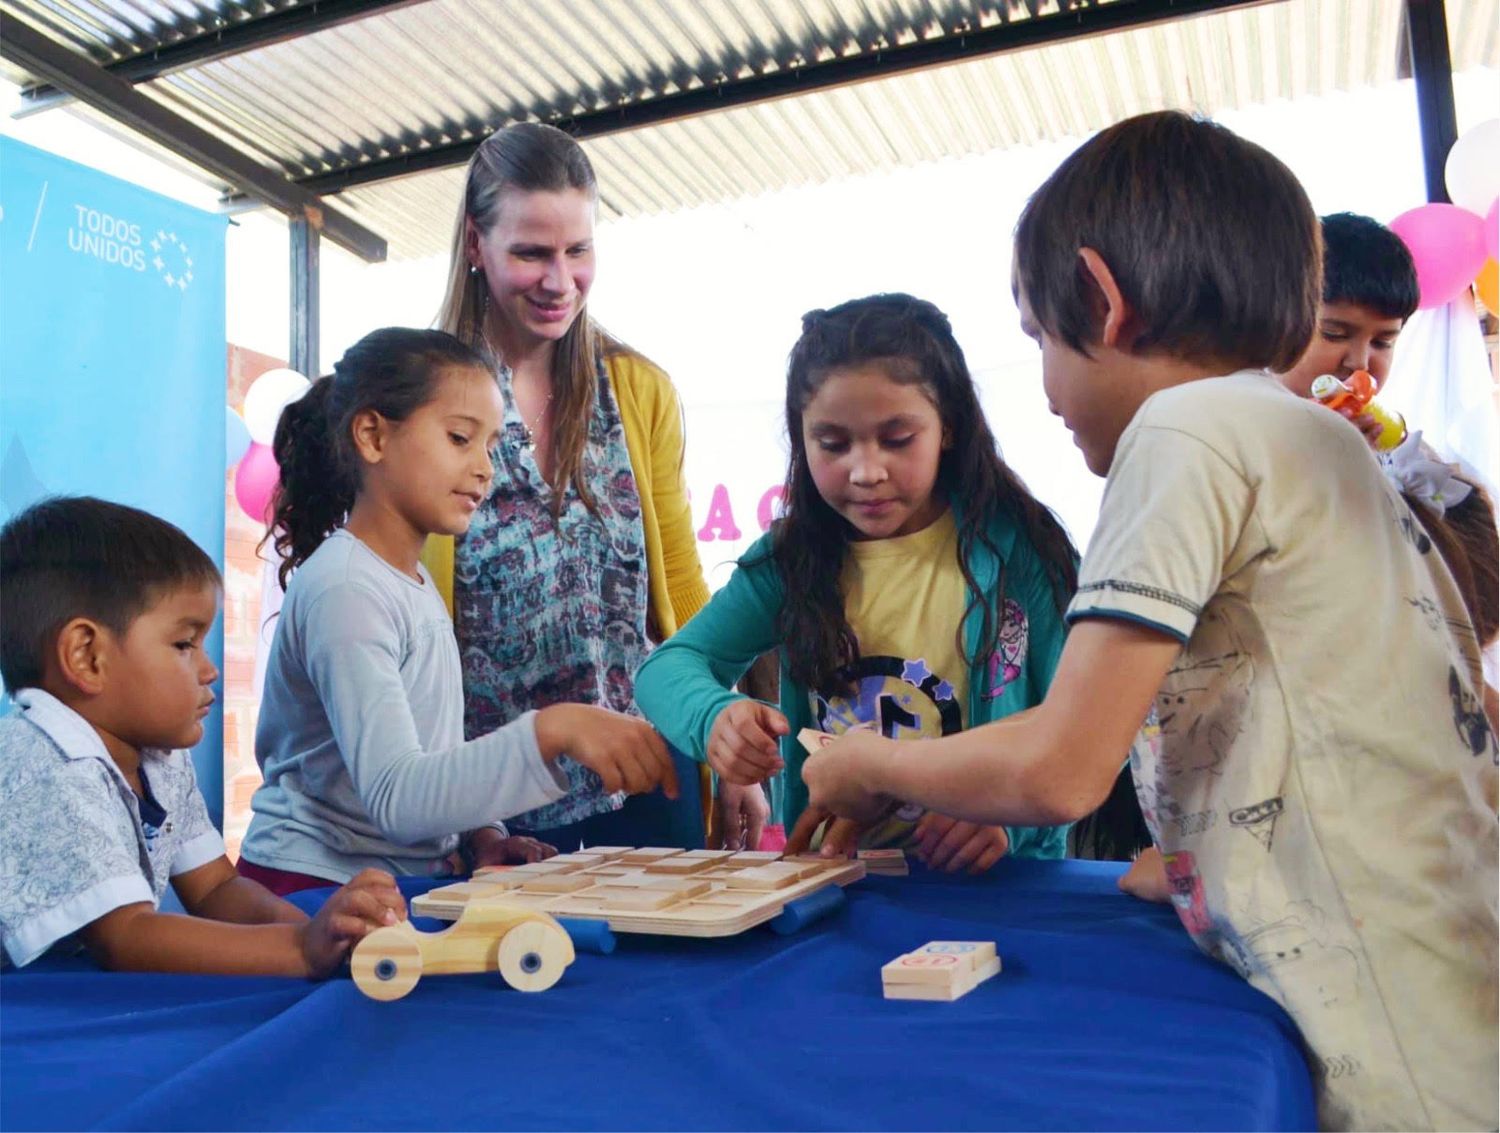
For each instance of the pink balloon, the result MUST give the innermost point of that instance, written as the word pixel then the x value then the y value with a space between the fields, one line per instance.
pixel 1447 243
pixel 1492 229
pixel 254 481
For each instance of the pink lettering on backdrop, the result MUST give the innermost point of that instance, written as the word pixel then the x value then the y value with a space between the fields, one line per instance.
pixel 720 522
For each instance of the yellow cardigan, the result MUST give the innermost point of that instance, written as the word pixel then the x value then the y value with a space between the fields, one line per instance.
pixel 652 418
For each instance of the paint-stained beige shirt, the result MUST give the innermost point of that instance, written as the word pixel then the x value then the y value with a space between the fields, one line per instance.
pixel 1319 775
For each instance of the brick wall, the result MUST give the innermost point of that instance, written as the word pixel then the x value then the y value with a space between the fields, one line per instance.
pixel 242 587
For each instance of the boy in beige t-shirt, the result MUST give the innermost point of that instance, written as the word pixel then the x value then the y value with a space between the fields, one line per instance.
pixel 1317 768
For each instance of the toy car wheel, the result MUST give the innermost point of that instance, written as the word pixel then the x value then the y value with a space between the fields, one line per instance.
pixel 533 956
pixel 387 964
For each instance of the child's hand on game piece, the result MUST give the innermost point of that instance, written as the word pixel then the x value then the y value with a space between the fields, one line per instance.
pixel 840 839
pixel 1147 877
pixel 950 844
pixel 370 901
pixel 835 776
pixel 742 745
pixel 627 754
pixel 741 813
pixel 489 847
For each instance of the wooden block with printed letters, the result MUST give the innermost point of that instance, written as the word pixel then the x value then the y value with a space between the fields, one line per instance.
pixel 940 970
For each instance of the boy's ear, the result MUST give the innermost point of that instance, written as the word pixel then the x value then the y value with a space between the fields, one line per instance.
pixel 1116 318
pixel 82 655
pixel 369 431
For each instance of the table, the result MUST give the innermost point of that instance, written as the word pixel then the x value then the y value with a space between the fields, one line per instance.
pixel 1105 1017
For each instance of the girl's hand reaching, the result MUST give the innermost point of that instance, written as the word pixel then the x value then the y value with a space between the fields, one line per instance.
pixel 742 745
pixel 742 814
pixel 370 901
pixel 627 754
pixel 950 844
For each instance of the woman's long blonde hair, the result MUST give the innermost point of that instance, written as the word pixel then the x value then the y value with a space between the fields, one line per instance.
pixel 530 157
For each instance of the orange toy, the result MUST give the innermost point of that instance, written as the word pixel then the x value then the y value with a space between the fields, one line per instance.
pixel 1356 397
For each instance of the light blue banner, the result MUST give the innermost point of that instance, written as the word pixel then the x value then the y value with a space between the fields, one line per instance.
pixel 112 359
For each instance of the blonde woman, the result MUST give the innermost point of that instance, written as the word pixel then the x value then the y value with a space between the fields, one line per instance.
pixel 583 554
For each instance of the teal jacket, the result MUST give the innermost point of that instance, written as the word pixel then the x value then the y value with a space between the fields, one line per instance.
pixel 688 680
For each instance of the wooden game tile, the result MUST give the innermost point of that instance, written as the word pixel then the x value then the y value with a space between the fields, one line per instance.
pixel 609 853
pixel 469 890
pixel 888 863
pixel 972 954
pixel 712 855
pixel 541 869
pixel 648 854
pixel 680 864
pixel 558 883
pixel 725 898
pixel 582 859
pixel 915 968
pixel 632 880
pixel 631 900
pixel 762 878
pixel 686 886
pixel 813 740
pixel 753 857
pixel 496 875
pixel 810 867
pixel 941 993
pixel 940 970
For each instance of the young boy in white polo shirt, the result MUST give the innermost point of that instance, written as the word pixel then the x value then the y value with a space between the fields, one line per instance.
pixel 103 614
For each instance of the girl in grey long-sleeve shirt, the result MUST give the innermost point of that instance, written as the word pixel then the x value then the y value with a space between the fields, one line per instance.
pixel 360 736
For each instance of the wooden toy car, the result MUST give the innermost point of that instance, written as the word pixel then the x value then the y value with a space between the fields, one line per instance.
pixel 527 947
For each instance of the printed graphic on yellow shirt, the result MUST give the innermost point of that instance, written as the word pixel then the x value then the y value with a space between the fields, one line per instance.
pixel 903 700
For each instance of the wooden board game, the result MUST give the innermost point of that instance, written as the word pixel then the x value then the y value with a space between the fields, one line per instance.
pixel 663 891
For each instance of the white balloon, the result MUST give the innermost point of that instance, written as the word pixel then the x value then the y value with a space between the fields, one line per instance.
pixel 236 437
pixel 1472 172
pixel 267 396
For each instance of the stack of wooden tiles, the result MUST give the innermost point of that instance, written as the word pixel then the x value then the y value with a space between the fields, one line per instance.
pixel 666 891
pixel 941 970
pixel 886 863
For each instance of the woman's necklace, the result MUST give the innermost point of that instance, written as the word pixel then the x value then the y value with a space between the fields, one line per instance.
pixel 530 442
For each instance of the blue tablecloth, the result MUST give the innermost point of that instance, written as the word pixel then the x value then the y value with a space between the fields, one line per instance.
pixel 1105 1017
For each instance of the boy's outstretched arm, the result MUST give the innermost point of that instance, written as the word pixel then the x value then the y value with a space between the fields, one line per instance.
pixel 138 938
pixel 1049 765
pixel 214 890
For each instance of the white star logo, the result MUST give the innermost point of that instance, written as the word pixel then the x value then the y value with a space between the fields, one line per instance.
pixel 169 248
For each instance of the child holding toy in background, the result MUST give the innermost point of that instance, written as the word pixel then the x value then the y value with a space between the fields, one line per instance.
pixel 1369 291
pixel 912 585
pixel 1318 771
pixel 361 728
pixel 103 614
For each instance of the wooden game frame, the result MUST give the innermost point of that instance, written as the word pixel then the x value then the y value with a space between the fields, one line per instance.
pixel 668 892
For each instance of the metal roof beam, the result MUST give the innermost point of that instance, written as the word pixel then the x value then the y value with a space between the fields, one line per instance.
pixel 28 48
pixel 1426 32
pixel 1098 18
pixel 276 26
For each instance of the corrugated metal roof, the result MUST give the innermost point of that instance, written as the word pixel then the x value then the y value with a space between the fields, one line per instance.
pixel 449 70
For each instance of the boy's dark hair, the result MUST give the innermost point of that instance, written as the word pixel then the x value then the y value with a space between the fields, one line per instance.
pixel 1364 262
pixel 1211 239
pixel 80 557
pixel 392 371
pixel 913 343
